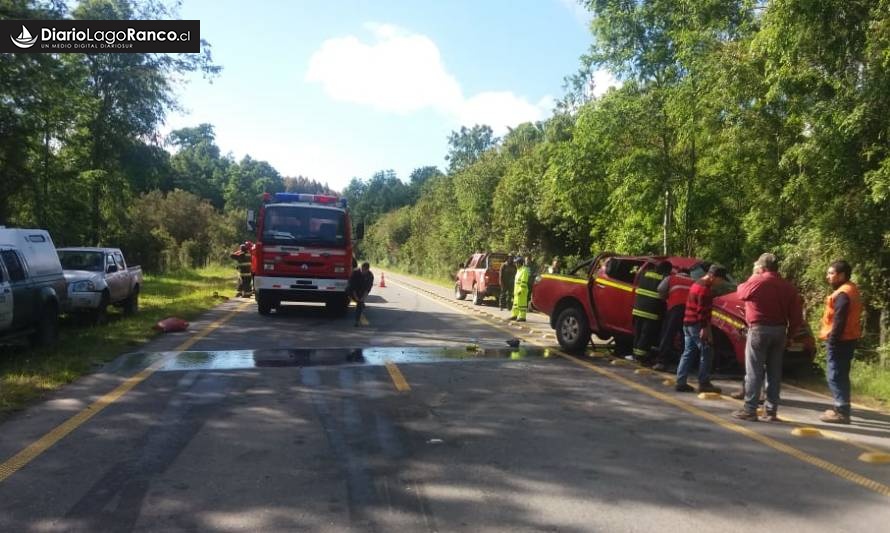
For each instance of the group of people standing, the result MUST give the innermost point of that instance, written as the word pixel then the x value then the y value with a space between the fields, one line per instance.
pixel 516 285
pixel 666 302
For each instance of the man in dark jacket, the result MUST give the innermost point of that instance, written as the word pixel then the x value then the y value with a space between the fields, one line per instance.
pixel 360 283
pixel 507 274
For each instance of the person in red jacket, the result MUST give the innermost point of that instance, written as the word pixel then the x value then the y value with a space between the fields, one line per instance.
pixel 674 290
pixel 697 335
pixel 841 328
pixel 773 312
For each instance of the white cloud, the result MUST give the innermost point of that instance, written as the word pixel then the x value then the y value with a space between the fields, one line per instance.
pixel 399 72
pixel 403 72
pixel 603 80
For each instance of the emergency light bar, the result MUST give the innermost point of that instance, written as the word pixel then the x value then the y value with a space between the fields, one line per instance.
pixel 291 197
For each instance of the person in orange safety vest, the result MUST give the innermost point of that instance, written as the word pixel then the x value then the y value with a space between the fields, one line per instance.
pixel 841 328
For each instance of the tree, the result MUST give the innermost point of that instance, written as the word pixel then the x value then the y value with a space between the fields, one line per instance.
pixel 466 146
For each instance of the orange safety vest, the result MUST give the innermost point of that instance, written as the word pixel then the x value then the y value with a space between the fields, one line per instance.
pixel 853 327
pixel 678 290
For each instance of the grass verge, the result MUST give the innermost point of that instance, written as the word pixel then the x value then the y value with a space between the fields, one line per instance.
pixel 28 374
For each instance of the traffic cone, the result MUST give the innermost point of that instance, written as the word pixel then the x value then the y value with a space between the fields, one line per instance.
pixel 382 281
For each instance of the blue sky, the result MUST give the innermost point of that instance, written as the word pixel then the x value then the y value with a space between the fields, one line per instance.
pixel 344 88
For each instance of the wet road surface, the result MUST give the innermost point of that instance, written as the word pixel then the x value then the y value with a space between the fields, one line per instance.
pixel 297 426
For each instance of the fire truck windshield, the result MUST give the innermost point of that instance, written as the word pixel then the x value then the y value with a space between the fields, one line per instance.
pixel 304 225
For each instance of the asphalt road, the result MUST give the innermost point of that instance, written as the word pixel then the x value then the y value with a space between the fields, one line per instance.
pixel 421 419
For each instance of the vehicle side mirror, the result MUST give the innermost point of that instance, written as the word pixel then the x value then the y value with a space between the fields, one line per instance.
pixel 360 231
pixel 111 269
pixel 251 220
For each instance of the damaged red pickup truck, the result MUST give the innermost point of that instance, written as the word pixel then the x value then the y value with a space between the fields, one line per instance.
pixel 597 297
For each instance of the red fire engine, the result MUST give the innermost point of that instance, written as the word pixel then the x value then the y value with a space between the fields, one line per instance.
pixel 303 251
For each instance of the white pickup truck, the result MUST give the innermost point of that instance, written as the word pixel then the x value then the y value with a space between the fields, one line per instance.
pixel 97 278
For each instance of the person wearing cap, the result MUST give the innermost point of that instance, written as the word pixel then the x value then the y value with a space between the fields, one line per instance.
pixel 774 313
pixel 697 334
pixel 520 291
pixel 841 328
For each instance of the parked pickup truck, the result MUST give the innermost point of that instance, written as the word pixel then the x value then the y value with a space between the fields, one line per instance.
pixel 480 276
pixel 97 278
pixel 597 298
pixel 32 287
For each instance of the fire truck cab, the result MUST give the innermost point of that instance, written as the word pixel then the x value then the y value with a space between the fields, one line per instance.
pixel 303 251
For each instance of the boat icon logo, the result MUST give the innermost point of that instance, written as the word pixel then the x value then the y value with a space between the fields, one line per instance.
pixel 24 40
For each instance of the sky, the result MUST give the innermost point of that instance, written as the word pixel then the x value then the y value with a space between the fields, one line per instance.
pixel 338 89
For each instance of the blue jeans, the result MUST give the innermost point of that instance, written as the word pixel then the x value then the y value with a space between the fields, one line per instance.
pixel 840 358
pixel 764 350
pixel 693 343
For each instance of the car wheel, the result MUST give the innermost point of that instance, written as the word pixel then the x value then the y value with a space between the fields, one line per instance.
pixel 47 332
pixel 100 314
pixel 572 330
pixel 458 292
pixel 477 296
pixel 131 306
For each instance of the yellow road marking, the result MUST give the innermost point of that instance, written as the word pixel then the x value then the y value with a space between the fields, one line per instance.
pixel 832 468
pixel 397 378
pixel 33 450
pixel 824 432
pixel 839 471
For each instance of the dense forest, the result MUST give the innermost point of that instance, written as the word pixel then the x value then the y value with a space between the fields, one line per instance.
pixel 739 127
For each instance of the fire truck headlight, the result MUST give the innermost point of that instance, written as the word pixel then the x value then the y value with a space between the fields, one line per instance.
pixel 268 266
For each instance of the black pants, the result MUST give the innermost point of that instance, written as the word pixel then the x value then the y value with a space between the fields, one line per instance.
pixel 645 337
pixel 506 297
pixel 671 326
pixel 359 307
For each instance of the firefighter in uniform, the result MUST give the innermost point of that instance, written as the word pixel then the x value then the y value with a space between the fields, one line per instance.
pixel 520 291
pixel 673 290
pixel 841 329
pixel 647 312
pixel 245 280
pixel 507 275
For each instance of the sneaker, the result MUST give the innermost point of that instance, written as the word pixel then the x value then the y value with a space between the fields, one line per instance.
pixel 709 387
pixel 512 318
pixel 520 320
pixel 833 417
pixel 660 367
pixel 683 388
pixel 743 414
pixel 771 416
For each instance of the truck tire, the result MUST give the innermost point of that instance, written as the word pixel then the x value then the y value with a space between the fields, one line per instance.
pixel 263 303
pixel 459 293
pixel 572 330
pixel 100 314
pixel 131 305
pixel 477 296
pixel 47 332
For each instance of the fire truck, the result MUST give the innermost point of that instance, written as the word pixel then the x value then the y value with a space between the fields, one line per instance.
pixel 597 297
pixel 303 250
